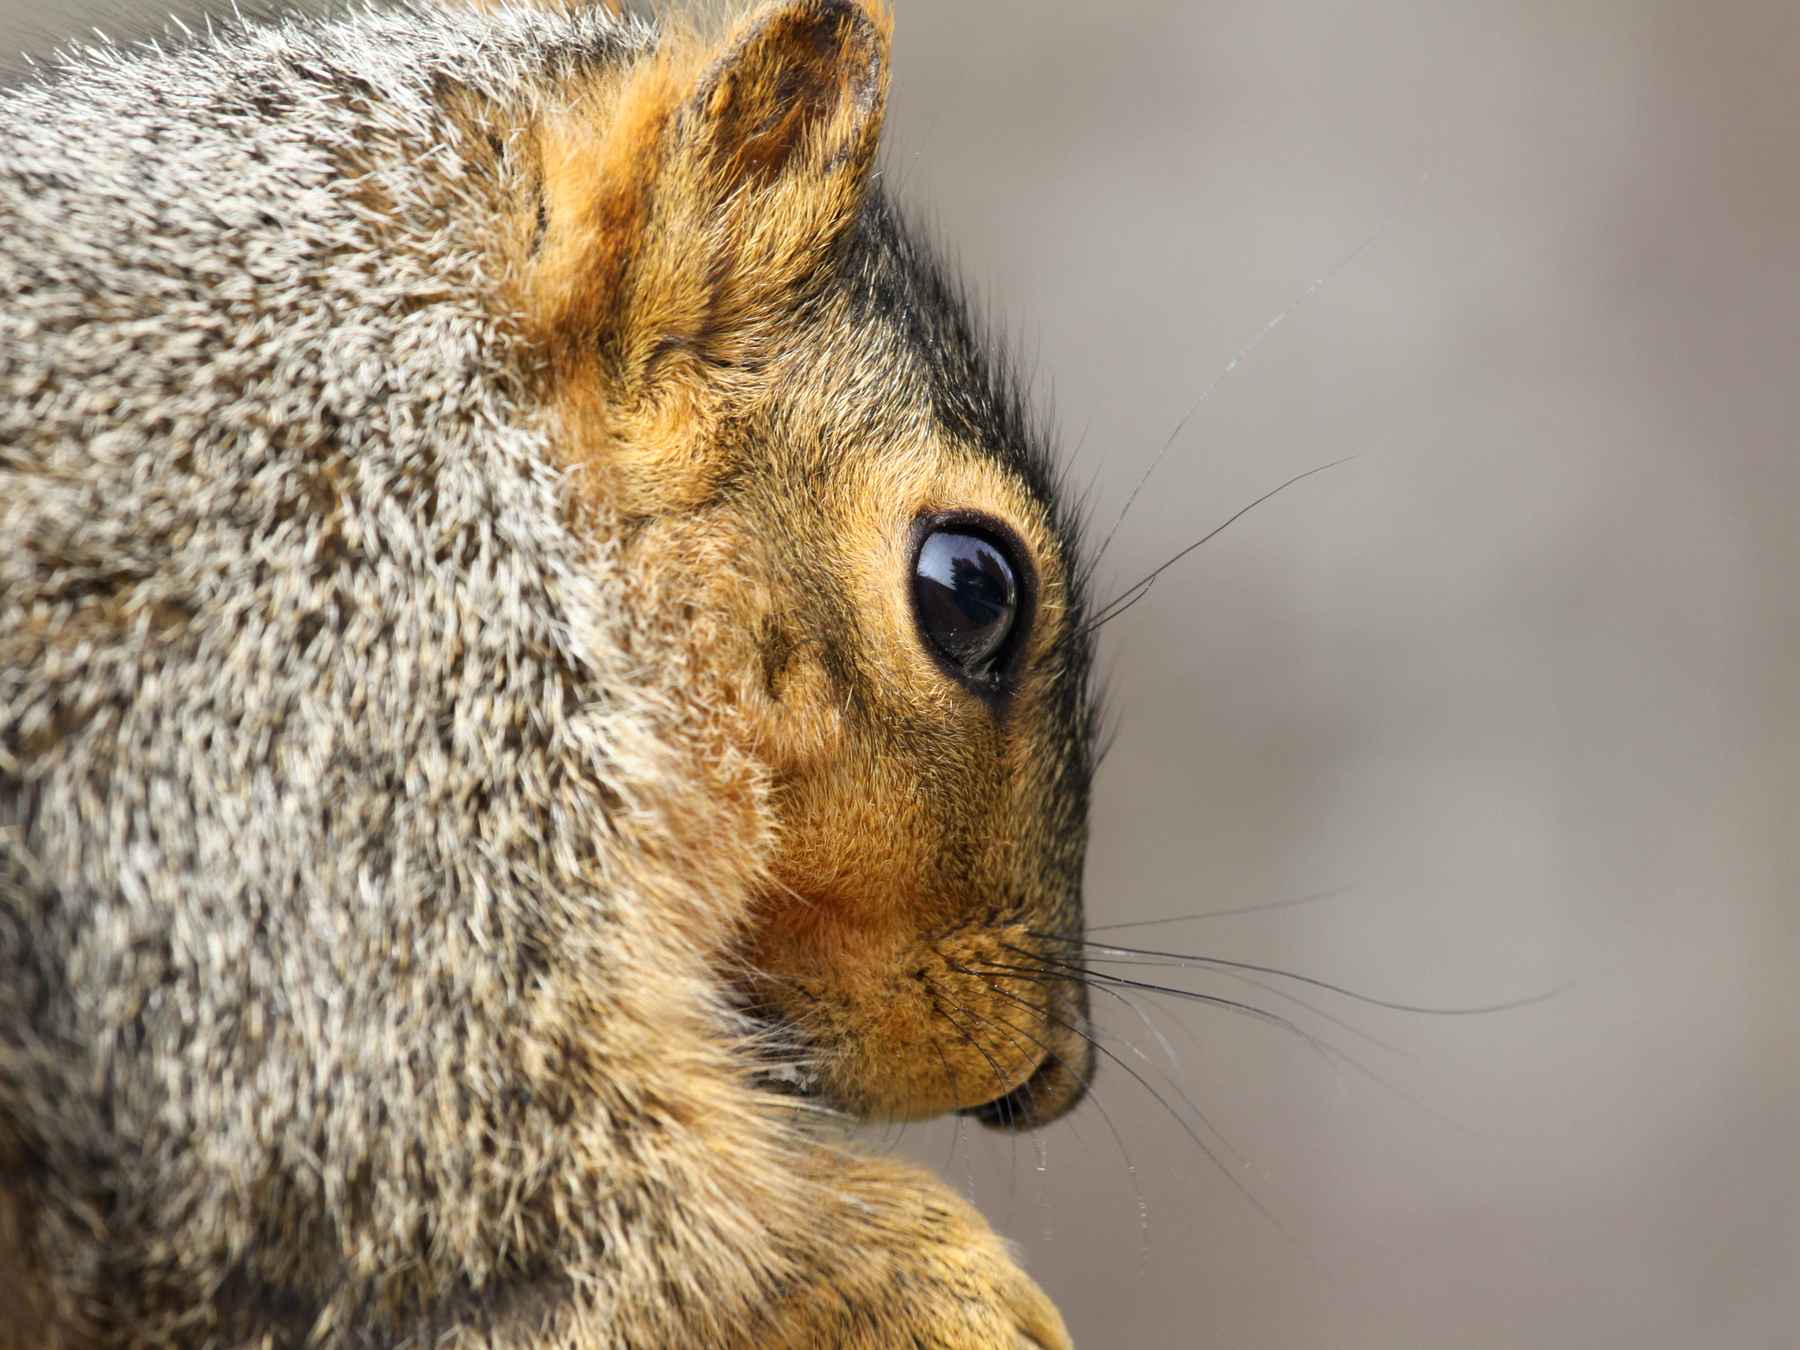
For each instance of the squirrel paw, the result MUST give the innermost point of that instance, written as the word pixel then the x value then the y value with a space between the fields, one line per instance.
pixel 922 1269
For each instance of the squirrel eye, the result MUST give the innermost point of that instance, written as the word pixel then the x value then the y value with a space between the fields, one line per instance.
pixel 966 596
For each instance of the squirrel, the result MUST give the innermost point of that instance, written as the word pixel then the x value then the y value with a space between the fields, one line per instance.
pixel 543 662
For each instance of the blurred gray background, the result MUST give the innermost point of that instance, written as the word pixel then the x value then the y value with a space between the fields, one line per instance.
pixel 1517 685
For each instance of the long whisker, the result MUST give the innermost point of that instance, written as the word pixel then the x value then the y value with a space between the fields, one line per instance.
pixel 1092 1034
pixel 1145 1083
pixel 1341 1023
pixel 1118 1138
pixel 1000 1079
pixel 1174 1068
pixel 1219 962
pixel 1137 1192
pixel 1243 354
pixel 1332 1054
pixel 1140 588
pixel 1272 990
pixel 1092 1039
pixel 955 1096
pixel 936 991
pixel 1290 903
pixel 1250 1010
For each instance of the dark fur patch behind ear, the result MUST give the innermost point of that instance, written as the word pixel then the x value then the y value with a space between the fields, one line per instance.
pixel 805 77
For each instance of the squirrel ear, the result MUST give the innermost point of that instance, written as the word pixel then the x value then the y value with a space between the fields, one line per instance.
pixel 715 186
pixel 799 93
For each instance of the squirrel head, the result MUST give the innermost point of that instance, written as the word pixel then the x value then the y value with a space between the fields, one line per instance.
pixel 774 394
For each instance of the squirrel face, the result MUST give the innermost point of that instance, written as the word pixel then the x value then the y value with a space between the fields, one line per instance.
pixel 921 702
pixel 771 389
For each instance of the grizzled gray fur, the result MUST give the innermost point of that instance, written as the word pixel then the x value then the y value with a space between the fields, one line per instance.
pixel 295 647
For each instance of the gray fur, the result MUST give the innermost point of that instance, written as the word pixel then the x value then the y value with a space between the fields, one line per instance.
pixel 312 714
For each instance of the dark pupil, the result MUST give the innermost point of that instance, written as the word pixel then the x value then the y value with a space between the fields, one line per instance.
pixel 966 598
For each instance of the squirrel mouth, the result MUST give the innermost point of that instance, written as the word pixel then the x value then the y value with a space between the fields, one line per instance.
pixel 1052 1091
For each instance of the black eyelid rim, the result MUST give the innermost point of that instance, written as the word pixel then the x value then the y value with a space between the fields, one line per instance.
pixel 1001 688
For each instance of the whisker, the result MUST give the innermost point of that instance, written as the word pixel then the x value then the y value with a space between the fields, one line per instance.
pixel 1135 592
pixel 1333 1054
pixel 1091 1034
pixel 999 1079
pixel 955 1095
pixel 1266 906
pixel 1174 1069
pixel 1143 1206
pixel 970 1037
pixel 1243 354
pixel 1224 969
pixel 961 1137
pixel 1313 1008
pixel 1161 1100
pixel 1249 1010
pixel 937 991
pixel 1220 962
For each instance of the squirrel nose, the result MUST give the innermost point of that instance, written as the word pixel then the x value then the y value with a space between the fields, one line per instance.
pixel 1055 1088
